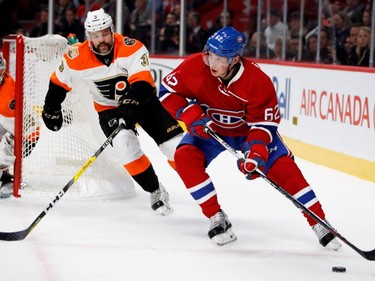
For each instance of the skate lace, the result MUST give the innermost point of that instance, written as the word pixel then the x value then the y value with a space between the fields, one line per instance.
pixel 217 220
pixel 159 195
pixel 320 231
pixel 155 196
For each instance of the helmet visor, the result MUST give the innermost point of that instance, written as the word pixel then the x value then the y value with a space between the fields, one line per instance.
pixel 211 59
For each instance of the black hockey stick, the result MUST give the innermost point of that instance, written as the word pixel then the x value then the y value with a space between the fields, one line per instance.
pixel 369 255
pixel 20 235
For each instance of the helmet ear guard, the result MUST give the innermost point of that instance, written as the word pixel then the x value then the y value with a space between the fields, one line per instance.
pixel 226 42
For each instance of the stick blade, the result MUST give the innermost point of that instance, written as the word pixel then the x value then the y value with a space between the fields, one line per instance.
pixel 369 255
pixel 14 236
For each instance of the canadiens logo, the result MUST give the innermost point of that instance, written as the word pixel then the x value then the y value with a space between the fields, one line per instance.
pixel 225 118
pixel 73 52
pixel 129 41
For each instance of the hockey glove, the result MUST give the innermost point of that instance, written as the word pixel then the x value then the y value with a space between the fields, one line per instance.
pixel 255 156
pixel 128 110
pixel 53 119
pixel 195 120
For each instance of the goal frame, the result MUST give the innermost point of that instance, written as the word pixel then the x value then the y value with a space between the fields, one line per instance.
pixel 18 106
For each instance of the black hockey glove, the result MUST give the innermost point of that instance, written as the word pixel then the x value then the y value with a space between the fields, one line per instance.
pixel 52 118
pixel 128 109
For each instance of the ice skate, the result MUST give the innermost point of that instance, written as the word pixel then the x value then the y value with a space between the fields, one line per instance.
pixel 326 238
pixel 221 229
pixel 160 201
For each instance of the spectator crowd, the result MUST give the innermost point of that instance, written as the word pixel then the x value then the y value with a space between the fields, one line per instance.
pixel 344 36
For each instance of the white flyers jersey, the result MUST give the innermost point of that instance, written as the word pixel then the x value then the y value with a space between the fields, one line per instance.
pixel 107 84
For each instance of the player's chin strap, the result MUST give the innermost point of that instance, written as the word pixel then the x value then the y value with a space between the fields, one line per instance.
pixel 369 255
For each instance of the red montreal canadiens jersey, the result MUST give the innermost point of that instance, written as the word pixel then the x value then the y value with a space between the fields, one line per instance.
pixel 249 99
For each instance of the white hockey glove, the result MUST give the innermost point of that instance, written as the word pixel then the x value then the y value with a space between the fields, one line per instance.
pixel 7 157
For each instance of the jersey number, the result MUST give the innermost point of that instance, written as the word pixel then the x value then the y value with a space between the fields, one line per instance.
pixel 171 80
pixel 271 114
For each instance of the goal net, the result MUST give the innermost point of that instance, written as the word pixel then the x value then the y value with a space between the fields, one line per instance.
pixel 46 161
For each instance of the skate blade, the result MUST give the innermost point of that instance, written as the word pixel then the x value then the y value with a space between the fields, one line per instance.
pixel 224 238
pixel 163 210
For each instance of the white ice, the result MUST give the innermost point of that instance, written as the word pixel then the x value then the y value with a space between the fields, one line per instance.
pixel 124 240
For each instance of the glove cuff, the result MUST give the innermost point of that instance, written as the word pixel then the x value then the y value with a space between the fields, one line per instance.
pixel 190 113
pixel 259 134
pixel 248 146
pixel 51 110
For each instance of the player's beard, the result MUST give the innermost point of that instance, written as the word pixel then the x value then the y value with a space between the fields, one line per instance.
pixel 104 48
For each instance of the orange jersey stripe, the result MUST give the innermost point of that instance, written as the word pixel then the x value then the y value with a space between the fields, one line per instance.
pixel 99 108
pixel 142 76
pixel 138 166
pixel 80 57
pixel 172 164
pixel 56 81
pixel 7 96
pixel 86 57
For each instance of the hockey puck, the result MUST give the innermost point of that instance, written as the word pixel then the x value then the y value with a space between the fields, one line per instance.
pixel 338 269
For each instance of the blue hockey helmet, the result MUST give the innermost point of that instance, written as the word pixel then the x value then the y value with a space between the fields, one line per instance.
pixel 226 42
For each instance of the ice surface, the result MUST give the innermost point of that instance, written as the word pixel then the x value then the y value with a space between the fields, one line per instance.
pixel 124 240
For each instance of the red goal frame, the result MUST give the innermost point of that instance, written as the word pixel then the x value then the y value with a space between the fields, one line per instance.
pixel 19 73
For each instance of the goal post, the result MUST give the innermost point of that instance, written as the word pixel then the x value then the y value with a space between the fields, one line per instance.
pixel 17 71
pixel 46 160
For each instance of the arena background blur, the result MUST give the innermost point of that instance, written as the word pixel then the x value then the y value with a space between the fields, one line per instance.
pixel 284 30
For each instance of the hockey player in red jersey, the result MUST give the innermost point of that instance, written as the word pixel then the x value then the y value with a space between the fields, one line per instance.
pixel 237 100
pixel 116 69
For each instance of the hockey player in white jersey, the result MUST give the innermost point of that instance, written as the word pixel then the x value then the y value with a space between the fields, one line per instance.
pixel 117 70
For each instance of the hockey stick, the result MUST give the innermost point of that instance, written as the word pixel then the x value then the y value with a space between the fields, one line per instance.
pixel 369 255
pixel 20 235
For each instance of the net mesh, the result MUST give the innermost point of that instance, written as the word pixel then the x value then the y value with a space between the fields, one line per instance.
pixel 51 159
